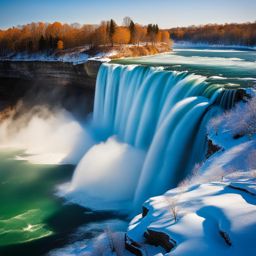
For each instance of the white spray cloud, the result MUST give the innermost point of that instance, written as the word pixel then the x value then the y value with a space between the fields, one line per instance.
pixel 108 173
pixel 46 136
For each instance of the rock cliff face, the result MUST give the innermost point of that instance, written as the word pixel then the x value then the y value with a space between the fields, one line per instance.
pixel 64 73
pixel 40 82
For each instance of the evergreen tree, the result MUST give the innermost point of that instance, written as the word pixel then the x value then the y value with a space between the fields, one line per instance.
pixel 132 31
pixel 156 30
pixel 149 29
pixel 42 44
pixel 51 42
pixel 152 31
pixel 30 46
pixel 112 29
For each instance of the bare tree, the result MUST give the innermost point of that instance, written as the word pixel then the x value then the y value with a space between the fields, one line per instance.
pixel 240 121
pixel 127 21
pixel 173 207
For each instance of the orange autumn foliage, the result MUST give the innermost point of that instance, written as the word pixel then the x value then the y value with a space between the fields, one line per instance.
pixel 165 37
pixel 60 45
pixel 41 37
pixel 139 34
pixel 121 35
pixel 233 34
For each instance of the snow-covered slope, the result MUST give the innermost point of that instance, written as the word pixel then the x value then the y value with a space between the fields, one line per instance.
pixel 216 218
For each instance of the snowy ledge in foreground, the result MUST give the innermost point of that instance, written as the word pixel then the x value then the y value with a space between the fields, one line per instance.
pixel 216 218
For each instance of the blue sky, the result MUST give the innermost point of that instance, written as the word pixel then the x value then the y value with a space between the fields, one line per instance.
pixel 167 13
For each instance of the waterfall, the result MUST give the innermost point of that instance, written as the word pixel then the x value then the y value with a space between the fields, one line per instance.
pixel 159 112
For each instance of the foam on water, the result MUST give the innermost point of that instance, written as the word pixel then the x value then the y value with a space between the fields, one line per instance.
pixel 174 58
pixel 108 173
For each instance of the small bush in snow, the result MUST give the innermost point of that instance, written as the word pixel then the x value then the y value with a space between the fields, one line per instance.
pixel 173 207
pixel 110 243
pixel 239 121
pixel 192 178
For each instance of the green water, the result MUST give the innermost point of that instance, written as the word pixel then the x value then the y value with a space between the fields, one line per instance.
pixel 220 66
pixel 33 220
pixel 25 200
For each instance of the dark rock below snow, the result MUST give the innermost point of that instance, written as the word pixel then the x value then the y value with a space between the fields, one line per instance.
pixel 212 148
pixel 158 238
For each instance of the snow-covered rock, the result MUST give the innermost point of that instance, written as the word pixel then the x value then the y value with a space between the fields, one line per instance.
pixel 215 218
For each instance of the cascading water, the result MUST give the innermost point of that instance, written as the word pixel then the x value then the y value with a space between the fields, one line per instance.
pixel 157 119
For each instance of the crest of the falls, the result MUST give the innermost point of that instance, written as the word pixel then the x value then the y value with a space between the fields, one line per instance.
pixel 159 112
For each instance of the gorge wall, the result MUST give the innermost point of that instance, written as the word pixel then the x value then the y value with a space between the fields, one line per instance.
pixel 83 75
pixel 66 82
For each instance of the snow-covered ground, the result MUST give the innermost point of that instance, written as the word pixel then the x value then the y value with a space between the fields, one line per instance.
pixel 209 218
pixel 215 218
pixel 75 57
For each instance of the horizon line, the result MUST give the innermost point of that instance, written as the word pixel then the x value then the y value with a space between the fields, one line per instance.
pixel 95 24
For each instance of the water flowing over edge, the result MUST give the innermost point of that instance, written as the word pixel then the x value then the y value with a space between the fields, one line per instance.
pixel 150 125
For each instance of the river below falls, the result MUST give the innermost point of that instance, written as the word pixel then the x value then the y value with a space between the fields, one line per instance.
pixel 33 220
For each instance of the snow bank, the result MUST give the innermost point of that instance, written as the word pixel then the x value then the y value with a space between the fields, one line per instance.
pixel 216 218
pixel 72 57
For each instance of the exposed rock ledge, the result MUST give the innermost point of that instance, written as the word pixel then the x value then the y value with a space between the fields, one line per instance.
pixel 212 148
pixel 49 82
pixel 64 73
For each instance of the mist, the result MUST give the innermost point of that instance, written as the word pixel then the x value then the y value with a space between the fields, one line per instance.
pixel 46 135
pixel 108 173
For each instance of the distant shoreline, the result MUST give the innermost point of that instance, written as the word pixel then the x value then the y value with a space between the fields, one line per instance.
pixel 81 55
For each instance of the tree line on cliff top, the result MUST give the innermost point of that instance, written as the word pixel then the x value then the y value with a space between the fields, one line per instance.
pixel 36 37
pixel 232 34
